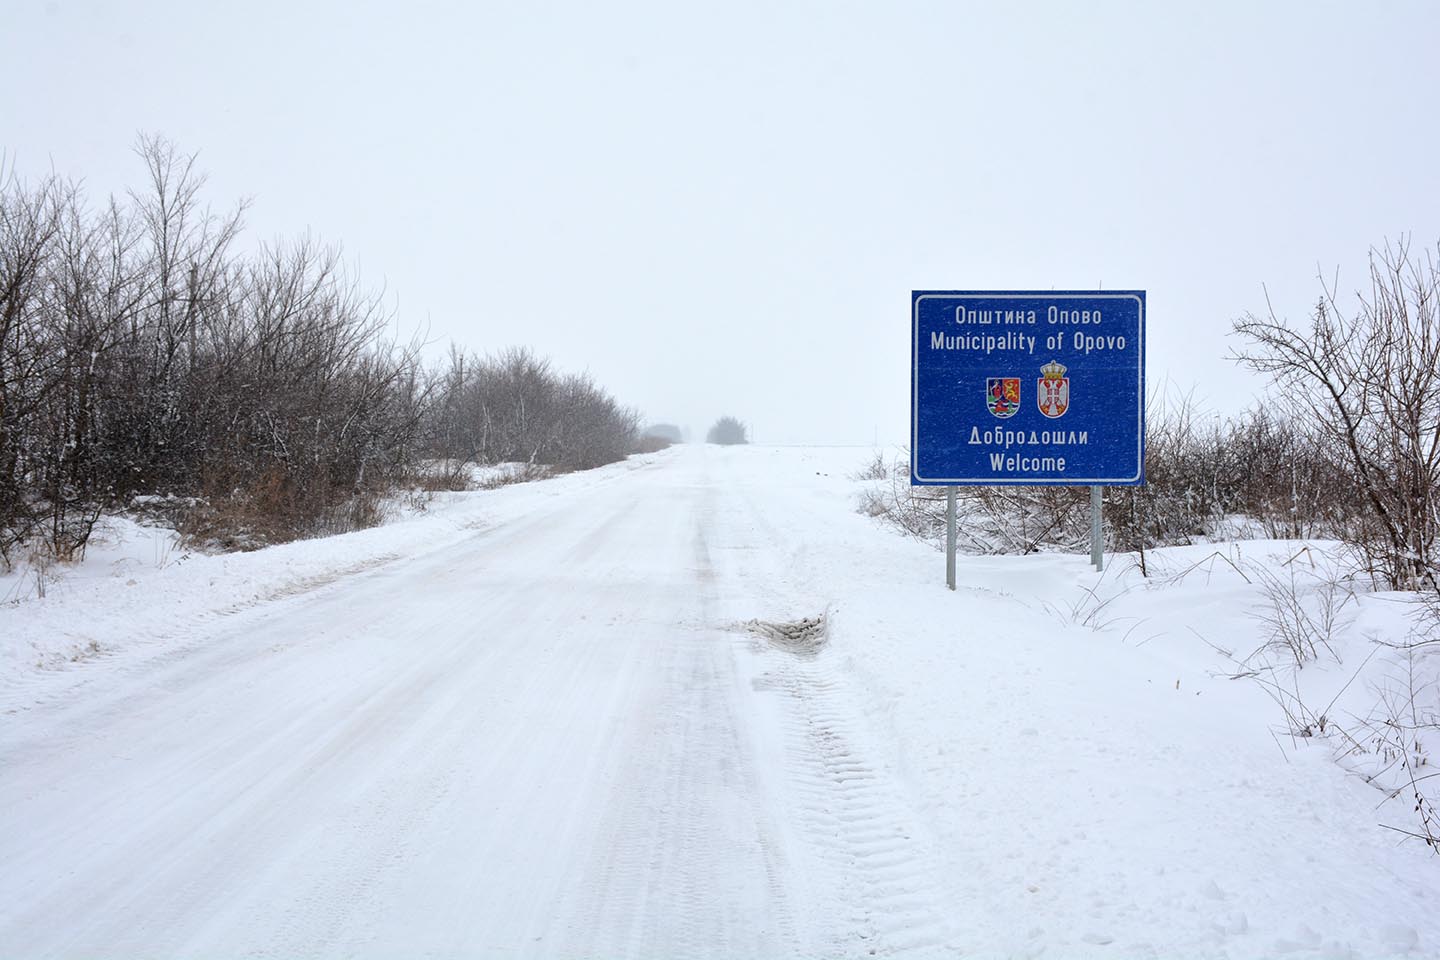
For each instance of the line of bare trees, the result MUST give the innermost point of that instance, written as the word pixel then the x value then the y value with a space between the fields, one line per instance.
pixel 140 354
pixel 514 407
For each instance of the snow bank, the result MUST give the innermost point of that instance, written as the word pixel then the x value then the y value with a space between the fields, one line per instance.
pixel 1092 781
pixel 137 590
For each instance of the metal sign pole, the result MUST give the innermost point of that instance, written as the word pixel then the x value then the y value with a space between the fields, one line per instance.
pixel 1097 537
pixel 950 537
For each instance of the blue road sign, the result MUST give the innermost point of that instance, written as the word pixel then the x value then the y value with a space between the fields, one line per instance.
pixel 1028 387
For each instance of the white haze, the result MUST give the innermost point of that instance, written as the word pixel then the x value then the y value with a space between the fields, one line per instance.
pixel 722 208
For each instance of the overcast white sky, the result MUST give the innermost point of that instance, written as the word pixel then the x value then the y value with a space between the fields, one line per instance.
pixel 722 208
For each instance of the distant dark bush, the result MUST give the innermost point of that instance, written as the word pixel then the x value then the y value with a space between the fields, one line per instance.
pixel 727 430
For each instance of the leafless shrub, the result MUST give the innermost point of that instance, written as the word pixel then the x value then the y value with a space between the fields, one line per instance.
pixel 1207 478
pixel 1092 609
pixel 1180 499
pixel 1286 477
pixel 517 473
pixel 1389 746
pixel 1201 471
pixel 1280 682
pixel 1023 520
pixel 433 476
pixel 1302 721
pixel 1301 615
pixel 1209 564
pixel 876 468
pixel 1397 735
pixel 1196 479
pixel 916 511
pixel 988 519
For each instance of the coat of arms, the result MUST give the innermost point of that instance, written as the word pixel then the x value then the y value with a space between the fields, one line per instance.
pixel 1053 390
pixel 1002 395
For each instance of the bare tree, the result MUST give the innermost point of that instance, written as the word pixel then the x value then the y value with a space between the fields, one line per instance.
pixel 31 219
pixel 1369 379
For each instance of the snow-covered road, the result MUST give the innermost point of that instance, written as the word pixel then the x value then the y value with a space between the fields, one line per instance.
pixel 537 741
pixel 561 733
pixel 531 742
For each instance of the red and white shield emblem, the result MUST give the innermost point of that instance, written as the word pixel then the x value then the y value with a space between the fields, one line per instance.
pixel 1052 392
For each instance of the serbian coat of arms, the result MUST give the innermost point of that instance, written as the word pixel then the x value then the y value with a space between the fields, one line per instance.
pixel 1002 395
pixel 1053 390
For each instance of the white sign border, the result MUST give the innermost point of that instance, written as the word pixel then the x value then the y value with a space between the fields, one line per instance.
pixel 1008 481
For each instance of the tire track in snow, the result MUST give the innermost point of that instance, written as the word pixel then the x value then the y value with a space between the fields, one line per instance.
pixel 880 876
pixel 857 821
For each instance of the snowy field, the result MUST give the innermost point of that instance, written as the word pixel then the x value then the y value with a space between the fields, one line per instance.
pixel 694 704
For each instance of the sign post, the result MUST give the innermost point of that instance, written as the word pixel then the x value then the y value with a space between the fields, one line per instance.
pixel 1027 388
pixel 950 537
pixel 1097 537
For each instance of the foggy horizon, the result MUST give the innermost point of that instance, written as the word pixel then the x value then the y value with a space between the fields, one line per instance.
pixel 722 211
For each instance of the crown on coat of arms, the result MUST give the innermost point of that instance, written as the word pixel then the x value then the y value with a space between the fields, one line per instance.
pixel 1053 371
